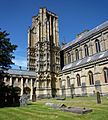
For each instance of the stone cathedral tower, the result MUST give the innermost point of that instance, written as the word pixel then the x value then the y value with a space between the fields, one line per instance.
pixel 44 51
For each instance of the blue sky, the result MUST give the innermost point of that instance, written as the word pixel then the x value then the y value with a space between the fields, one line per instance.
pixel 74 17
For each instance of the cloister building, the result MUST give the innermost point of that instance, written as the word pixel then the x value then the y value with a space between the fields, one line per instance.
pixel 79 67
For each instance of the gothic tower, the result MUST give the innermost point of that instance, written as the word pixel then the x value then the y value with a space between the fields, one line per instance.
pixel 44 51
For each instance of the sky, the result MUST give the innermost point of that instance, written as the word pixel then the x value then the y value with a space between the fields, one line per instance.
pixel 74 17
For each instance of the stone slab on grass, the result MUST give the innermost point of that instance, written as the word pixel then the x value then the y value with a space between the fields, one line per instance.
pixel 63 107
pixel 76 110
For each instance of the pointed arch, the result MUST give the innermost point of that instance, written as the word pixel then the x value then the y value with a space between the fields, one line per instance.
pixel 68 81
pixel 105 70
pixel 97 44
pixel 86 50
pixel 78 80
pixel 77 54
pixel 91 78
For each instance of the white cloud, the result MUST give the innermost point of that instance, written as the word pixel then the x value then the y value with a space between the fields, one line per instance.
pixel 20 61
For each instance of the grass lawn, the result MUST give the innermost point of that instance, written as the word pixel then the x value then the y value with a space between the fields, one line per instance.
pixel 38 110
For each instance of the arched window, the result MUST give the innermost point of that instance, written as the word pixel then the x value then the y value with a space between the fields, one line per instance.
pixel 86 50
pixel 69 58
pixel 78 80
pixel 97 44
pixel 91 79
pixel 77 54
pixel 106 75
pixel 68 81
pixel 60 82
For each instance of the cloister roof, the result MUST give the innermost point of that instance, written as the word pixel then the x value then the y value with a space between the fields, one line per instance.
pixel 88 59
pixel 21 72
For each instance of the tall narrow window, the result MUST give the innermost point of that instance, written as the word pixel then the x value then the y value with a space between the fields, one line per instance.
pixel 78 80
pixel 97 44
pixel 91 79
pixel 106 75
pixel 77 54
pixel 68 81
pixel 86 50
pixel 69 58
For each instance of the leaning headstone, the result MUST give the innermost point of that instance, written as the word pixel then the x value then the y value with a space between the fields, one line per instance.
pixel 24 100
pixel 98 98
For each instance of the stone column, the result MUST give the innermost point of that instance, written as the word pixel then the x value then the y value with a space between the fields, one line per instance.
pixel 29 40
pixel 10 81
pixel 45 87
pixel 37 30
pixel 97 78
pixel 91 48
pixel 103 46
pixel 80 53
pixel 106 41
pixel 48 31
pixel 46 83
pixel 26 82
pixel 41 25
pixel 37 85
pixel 37 88
pixel 31 86
pixel 16 80
pixel 54 33
pixel 22 87
pixel 57 32
pixel 83 82
pixel 44 24
pixel 72 56
pixel 72 78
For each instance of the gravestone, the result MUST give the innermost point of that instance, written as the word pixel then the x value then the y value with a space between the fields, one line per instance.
pixel 33 98
pixel 64 108
pixel 98 98
pixel 72 91
pixel 24 100
pixel 60 98
pixel 84 91
pixel 97 85
pixel 34 95
pixel 76 110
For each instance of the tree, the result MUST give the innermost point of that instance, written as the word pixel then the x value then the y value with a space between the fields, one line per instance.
pixel 6 51
pixel 8 94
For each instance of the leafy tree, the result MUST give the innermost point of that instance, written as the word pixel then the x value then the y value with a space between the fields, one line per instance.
pixel 6 51
pixel 8 94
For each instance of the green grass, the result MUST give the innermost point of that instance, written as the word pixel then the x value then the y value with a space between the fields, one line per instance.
pixel 38 110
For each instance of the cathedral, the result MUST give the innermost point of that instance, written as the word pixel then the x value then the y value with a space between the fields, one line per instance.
pixel 78 68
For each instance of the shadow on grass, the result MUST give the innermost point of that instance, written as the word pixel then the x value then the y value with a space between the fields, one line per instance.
pixel 9 96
